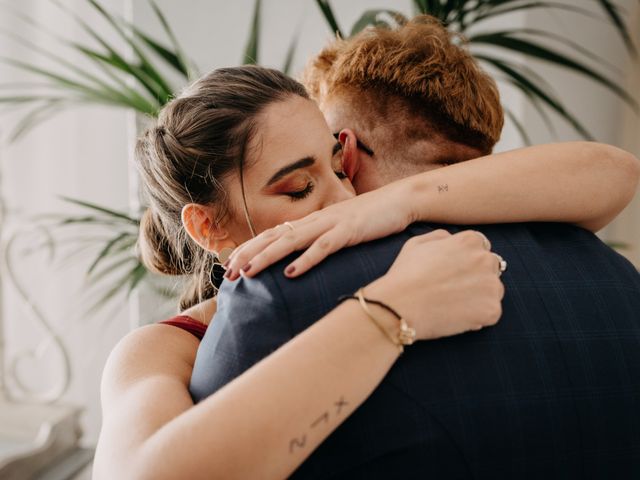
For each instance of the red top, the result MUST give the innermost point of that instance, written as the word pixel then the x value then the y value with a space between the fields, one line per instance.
pixel 187 323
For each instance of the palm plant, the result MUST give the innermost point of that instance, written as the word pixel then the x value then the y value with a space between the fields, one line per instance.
pixel 467 16
pixel 138 81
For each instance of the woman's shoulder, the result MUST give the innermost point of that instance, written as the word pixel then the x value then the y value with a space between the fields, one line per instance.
pixel 152 350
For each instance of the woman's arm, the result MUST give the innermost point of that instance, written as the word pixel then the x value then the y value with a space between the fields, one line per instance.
pixel 583 183
pixel 306 388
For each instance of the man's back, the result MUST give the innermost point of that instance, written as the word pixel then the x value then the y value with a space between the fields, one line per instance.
pixel 552 390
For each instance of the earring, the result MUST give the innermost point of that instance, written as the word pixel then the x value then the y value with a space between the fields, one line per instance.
pixel 217 270
pixel 224 254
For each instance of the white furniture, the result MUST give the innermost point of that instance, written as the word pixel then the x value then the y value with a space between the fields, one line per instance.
pixel 34 436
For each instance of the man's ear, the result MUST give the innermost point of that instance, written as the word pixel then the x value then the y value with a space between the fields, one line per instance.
pixel 350 152
pixel 199 222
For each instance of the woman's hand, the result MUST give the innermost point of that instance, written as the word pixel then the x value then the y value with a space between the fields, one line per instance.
pixel 443 284
pixel 366 217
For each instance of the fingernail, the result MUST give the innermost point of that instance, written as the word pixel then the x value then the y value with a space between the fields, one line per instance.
pixel 226 264
pixel 228 273
pixel 246 268
pixel 290 269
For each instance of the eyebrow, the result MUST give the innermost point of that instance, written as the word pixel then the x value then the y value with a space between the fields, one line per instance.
pixel 298 164
pixel 302 163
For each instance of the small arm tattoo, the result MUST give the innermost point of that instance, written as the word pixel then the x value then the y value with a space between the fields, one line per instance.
pixel 324 417
pixel 299 443
pixel 443 188
pixel 340 404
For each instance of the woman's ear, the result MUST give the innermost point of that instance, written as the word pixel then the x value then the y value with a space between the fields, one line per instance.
pixel 199 223
pixel 350 153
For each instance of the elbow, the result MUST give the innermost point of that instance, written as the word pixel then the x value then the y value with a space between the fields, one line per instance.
pixel 617 173
pixel 622 165
pixel 626 168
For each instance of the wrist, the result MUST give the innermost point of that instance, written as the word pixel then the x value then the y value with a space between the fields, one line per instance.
pixel 388 319
pixel 419 193
pixel 400 199
pixel 370 332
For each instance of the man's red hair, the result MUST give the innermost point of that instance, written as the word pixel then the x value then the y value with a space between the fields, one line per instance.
pixel 420 62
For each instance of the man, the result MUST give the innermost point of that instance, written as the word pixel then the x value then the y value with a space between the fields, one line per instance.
pixel 552 391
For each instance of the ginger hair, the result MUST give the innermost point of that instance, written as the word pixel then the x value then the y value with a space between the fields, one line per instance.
pixel 422 68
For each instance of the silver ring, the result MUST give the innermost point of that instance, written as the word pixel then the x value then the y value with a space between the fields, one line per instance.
pixel 502 264
pixel 288 224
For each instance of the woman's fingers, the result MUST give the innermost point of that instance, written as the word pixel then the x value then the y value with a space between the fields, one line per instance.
pixel 245 252
pixel 253 260
pixel 325 245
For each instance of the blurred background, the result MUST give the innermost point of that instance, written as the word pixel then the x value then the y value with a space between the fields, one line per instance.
pixel 78 80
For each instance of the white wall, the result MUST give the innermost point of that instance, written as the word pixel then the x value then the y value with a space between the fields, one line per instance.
pixel 626 228
pixel 80 153
pixel 84 153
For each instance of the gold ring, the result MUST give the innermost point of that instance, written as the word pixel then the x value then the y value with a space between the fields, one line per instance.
pixel 288 224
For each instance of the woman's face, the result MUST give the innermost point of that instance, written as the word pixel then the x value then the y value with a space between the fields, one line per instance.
pixel 293 168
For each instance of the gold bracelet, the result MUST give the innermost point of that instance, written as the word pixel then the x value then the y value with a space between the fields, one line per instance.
pixel 365 307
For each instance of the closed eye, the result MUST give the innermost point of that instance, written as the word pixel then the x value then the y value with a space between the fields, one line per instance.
pixel 300 194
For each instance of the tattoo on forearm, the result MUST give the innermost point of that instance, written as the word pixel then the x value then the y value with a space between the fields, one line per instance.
pixel 299 443
pixel 324 417
pixel 443 188
pixel 340 404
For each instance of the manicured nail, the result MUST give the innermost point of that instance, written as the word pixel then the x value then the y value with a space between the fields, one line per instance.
pixel 290 269
pixel 228 273
pixel 246 268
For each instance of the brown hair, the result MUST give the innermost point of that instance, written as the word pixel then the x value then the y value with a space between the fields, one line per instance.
pixel 420 65
pixel 199 139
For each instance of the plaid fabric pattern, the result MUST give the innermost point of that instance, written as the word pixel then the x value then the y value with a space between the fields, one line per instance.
pixel 552 391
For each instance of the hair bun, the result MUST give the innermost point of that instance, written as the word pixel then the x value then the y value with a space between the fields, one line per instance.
pixel 155 249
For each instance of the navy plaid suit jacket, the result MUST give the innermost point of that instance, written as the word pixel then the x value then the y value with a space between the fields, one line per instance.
pixel 551 391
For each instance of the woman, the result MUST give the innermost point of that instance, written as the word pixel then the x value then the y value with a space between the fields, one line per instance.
pixel 227 142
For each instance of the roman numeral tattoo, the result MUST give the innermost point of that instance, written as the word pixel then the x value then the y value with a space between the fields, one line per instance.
pixel 297 442
pixel 300 442
pixel 324 417
pixel 340 404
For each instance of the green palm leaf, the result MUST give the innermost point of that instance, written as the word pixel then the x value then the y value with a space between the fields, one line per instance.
pixel 502 10
pixel 372 18
pixel 178 59
pixel 251 50
pixel 612 12
pixel 529 87
pixel 519 126
pixel 145 65
pixel 329 16
pixel 103 210
pixel 109 246
pixel 156 88
pixel 506 39
pixel 291 52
